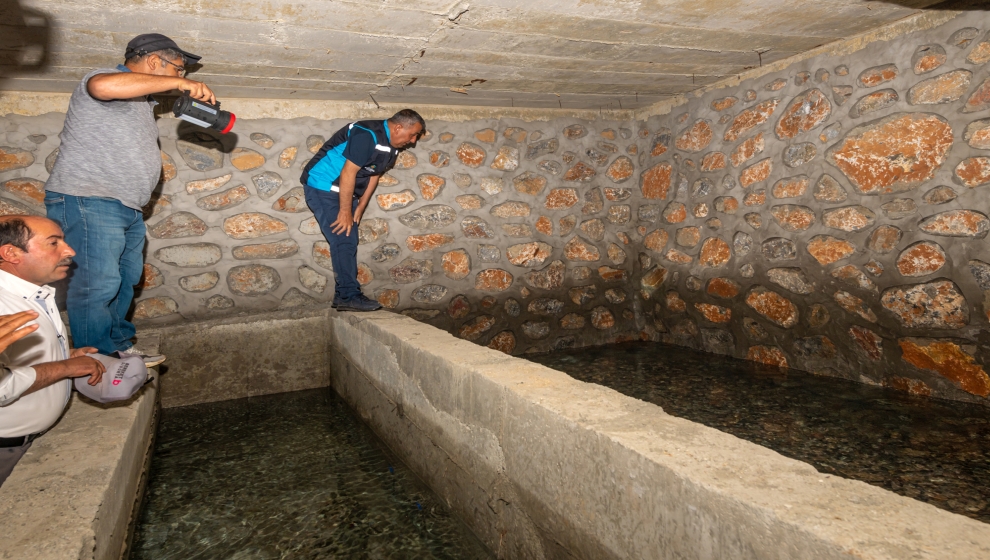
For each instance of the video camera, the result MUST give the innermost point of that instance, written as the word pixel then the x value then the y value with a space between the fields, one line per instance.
pixel 203 114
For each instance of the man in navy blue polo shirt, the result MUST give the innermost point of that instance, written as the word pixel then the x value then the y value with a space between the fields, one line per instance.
pixel 339 182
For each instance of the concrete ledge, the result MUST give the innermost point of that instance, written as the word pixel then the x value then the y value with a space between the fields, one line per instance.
pixel 245 356
pixel 543 466
pixel 73 495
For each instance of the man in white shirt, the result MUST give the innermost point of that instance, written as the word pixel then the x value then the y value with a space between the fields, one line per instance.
pixel 36 372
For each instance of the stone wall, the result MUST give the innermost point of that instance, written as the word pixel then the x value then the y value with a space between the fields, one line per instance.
pixel 827 217
pixel 833 217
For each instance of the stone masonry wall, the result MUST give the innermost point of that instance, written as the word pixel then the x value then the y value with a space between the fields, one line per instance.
pixel 832 217
pixel 509 234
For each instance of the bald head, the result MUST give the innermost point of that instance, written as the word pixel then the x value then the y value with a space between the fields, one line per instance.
pixel 34 249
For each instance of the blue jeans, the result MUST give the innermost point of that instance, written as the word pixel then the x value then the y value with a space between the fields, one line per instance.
pixel 343 248
pixel 108 238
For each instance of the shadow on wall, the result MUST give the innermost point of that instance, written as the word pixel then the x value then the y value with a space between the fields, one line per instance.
pixel 25 38
pixel 935 5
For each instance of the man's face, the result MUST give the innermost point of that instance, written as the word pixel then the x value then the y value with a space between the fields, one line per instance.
pixel 168 67
pixel 406 135
pixel 48 256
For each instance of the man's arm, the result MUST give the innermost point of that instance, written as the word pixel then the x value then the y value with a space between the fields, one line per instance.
pixel 365 199
pixel 345 219
pixel 127 85
pixel 52 372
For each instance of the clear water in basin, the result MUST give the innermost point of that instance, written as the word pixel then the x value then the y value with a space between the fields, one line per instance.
pixel 294 475
pixel 928 449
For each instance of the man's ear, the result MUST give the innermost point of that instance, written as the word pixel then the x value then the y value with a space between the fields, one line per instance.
pixel 10 253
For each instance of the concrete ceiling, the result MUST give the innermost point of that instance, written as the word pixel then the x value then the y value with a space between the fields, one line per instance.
pixel 572 54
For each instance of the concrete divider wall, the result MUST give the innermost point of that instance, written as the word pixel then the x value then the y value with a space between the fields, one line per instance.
pixel 542 466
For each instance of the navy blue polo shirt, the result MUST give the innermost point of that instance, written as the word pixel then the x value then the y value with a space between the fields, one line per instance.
pixel 363 143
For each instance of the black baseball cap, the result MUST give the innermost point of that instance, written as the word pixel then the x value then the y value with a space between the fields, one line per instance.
pixel 151 42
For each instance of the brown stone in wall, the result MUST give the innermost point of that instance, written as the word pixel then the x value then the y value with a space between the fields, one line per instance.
pixel 549 277
pixel 602 318
pixel 750 119
pixel 755 198
pixel 849 218
pixel 395 201
pixel 977 134
pixel 935 305
pixel 747 150
pixel 151 277
pixel 507 159
pixel 726 205
pixel 872 77
pixel 675 213
pixel 724 103
pixel 610 274
pixel 928 58
pixel 372 230
pixel 980 53
pixel 224 199
pixel 620 170
pixel 715 253
pixel 439 158
pixel 687 236
pixel 714 313
pixel 577 250
pixel 791 187
pixel 580 172
pixel 504 342
pixel 921 259
pixel 827 249
pixel 389 299
pixel 791 279
pixel 168 168
pixel 655 181
pixel 199 282
pixel 873 102
pixel 274 250
pixel 456 264
pixel 470 154
pixel 957 223
pixel 567 225
pixel 769 355
pixel 15 158
pixel 544 225
pixel 246 159
pixel 856 277
pixel 678 257
pixel 179 224
pixel 893 154
pixel 561 198
pixel 792 217
pixel 472 330
pixel 511 209
pixel 696 137
pixel 428 242
pixel 407 160
pixel 776 85
pixel 713 161
pixel 980 98
pixel 773 306
pixel 867 341
pixel 827 189
pixel 724 288
pixel 253 280
pixel 206 185
pixel 974 171
pixel 854 305
pixel 948 358
pixel 516 134
pixel 485 135
pixel 411 270
pixel 493 280
pixel 430 186
pixel 387 180
pixel 807 111
pixel 155 307
pixel 884 239
pixel 756 173
pixel 530 183
pixel 287 157
pixel 249 225
pixel 945 88
pixel 465 201
pixel 529 255
pixel 292 201
pixel 656 240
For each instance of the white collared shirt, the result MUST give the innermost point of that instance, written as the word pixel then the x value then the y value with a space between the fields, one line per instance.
pixel 22 414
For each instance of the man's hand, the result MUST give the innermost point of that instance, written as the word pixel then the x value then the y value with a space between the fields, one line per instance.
pixel 344 221
pixel 85 350
pixel 10 327
pixel 79 366
pixel 199 90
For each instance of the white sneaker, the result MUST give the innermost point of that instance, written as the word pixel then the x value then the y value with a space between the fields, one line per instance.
pixel 150 360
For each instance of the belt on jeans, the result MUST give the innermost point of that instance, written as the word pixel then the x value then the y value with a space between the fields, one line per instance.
pixel 18 441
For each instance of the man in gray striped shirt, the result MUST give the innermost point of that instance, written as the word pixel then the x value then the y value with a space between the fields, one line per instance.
pixel 108 165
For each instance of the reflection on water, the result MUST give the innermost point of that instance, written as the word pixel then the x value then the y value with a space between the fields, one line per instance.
pixel 935 451
pixel 294 475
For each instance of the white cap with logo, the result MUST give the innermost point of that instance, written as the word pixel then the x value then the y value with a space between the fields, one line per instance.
pixel 123 378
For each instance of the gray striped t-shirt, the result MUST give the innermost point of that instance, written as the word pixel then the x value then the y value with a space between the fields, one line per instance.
pixel 109 148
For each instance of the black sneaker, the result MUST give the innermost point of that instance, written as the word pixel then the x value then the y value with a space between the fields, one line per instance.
pixel 358 303
pixel 336 302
